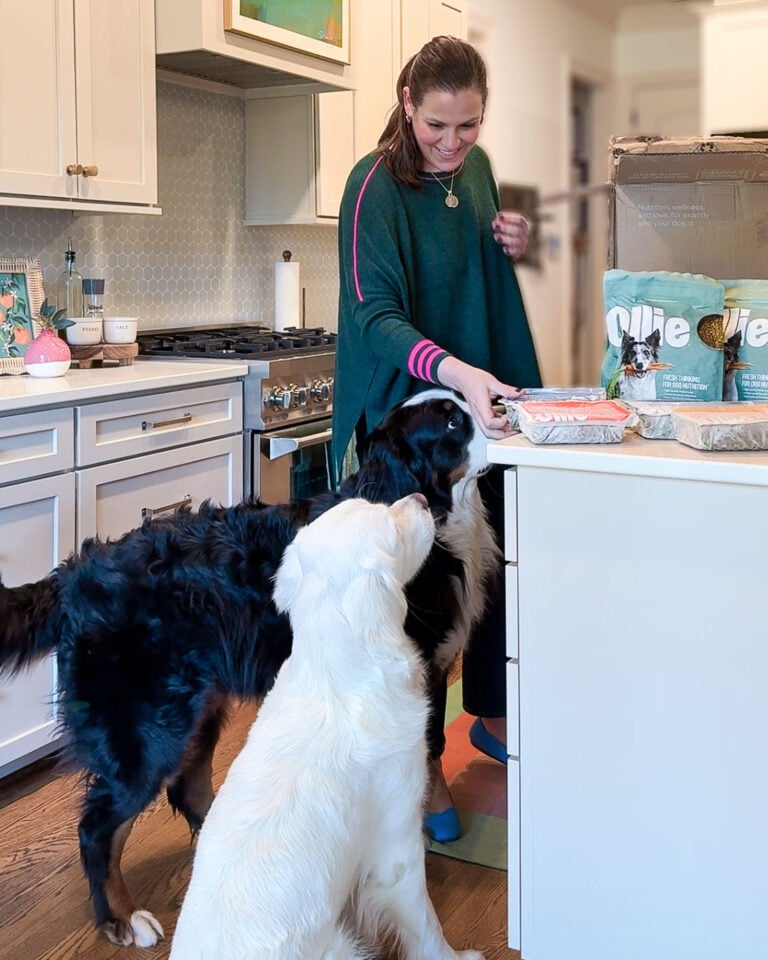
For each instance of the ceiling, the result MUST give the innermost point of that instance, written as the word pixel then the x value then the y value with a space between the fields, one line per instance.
pixel 610 10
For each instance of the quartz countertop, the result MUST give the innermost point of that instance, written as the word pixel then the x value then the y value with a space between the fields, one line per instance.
pixel 22 392
pixel 636 456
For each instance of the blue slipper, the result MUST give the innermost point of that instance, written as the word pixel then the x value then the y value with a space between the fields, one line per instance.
pixel 486 743
pixel 443 827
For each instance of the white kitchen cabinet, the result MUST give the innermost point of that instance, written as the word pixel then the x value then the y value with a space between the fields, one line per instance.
pixel 733 81
pixel 37 524
pixel 637 804
pixel 77 105
pixel 423 19
pixel 99 469
pixel 299 151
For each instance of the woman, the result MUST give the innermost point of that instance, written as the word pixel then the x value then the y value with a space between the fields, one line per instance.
pixel 429 296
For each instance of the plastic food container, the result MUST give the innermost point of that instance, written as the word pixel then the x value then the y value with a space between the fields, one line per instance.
pixel 574 421
pixel 654 417
pixel 551 393
pixel 722 428
pixel 120 329
pixel 84 331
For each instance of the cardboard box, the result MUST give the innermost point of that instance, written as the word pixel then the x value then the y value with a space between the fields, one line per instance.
pixel 690 206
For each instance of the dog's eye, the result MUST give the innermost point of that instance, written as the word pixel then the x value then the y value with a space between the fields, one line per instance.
pixel 454 422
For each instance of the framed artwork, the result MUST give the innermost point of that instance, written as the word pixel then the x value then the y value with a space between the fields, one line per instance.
pixel 21 296
pixel 317 27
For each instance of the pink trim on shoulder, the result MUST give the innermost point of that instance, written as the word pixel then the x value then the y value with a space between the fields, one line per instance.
pixel 354 228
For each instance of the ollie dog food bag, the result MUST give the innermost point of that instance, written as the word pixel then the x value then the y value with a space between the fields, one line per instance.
pixel 745 340
pixel 665 336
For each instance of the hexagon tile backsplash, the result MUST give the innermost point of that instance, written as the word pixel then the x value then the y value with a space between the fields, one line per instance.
pixel 196 263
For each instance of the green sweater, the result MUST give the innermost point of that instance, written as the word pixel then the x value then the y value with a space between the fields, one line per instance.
pixel 420 281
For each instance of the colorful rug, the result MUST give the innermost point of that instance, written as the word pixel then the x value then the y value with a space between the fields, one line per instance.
pixel 479 789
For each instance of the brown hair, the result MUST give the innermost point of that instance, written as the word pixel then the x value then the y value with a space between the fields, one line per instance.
pixel 444 63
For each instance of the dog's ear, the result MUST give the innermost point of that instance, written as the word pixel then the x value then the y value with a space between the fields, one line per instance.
pixel 654 339
pixel 288 579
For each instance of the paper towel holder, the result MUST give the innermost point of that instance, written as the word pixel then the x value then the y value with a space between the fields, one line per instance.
pixel 286 255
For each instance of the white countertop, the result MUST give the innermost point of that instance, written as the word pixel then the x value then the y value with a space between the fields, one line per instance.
pixel 636 456
pixel 22 392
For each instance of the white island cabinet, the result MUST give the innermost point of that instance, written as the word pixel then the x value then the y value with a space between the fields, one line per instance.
pixel 638 663
pixel 74 465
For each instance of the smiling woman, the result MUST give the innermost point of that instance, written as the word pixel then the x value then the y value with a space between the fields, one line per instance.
pixel 318 27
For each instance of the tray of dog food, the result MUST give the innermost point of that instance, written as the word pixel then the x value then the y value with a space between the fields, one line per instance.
pixel 723 427
pixel 540 394
pixel 654 417
pixel 574 421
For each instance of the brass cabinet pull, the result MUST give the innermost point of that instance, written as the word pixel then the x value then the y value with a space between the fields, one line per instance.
pixel 74 169
pixel 154 424
pixel 149 512
pixel 92 171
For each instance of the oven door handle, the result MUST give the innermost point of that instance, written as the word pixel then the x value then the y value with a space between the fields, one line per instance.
pixel 275 445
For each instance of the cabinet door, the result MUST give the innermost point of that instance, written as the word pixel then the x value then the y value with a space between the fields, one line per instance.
pixel 116 497
pixel 334 139
pixel 423 19
pixel 115 78
pixel 38 531
pixel 448 17
pixel 37 98
pixel 279 160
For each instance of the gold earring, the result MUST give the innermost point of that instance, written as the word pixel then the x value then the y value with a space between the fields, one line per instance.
pixel 408 118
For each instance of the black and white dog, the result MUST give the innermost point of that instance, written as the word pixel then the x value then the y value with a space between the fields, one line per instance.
pixel 638 379
pixel 314 840
pixel 155 631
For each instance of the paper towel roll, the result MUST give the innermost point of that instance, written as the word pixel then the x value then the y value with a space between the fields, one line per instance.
pixel 287 295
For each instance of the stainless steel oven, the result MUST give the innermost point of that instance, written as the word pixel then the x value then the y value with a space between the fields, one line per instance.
pixel 295 462
pixel 287 401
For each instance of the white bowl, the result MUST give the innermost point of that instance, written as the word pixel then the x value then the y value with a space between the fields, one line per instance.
pixel 120 329
pixel 84 330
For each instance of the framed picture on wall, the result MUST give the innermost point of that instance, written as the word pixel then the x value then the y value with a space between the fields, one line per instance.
pixel 316 27
pixel 21 296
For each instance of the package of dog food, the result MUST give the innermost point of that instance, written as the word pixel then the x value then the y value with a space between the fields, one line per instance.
pixel 574 421
pixel 665 336
pixel 654 417
pixel 745 340
pixel 729 427
pixel 551 393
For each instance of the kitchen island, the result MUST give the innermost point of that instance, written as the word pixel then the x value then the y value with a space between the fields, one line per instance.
pixel 638 712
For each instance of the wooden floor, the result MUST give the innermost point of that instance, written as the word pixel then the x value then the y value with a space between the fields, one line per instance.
pixel 44 908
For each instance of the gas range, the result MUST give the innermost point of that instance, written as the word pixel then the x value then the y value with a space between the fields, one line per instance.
pixel 290 372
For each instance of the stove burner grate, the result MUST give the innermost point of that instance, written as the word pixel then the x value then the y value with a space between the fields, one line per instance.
pixel 236 343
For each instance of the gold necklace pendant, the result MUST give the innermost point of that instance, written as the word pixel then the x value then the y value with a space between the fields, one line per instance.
pixel 451 200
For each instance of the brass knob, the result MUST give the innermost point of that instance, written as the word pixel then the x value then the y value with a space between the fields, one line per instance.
pixel 92 171
pixel 74 169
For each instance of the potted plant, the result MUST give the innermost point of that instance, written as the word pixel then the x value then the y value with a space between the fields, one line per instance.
pixel 48 355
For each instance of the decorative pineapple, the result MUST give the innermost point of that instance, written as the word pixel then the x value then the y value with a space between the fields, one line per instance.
pixel 48 355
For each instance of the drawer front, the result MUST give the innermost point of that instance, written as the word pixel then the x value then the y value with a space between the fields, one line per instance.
pixel 138 425
pixel 510 514
pixel 513 854
pixel 36 444
pixel 513 709
pixel 115 497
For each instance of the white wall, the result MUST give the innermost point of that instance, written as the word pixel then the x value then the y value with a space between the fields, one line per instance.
pixel 533 48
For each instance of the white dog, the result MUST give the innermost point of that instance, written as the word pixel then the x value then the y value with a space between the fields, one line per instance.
pixel 314 839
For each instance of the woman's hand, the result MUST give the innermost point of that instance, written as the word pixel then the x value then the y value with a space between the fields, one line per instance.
pixel 479 389
pixel 512 231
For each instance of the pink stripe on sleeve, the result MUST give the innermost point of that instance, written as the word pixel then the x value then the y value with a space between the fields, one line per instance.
pixel 414 356
pixel 425 363
pixel 354 228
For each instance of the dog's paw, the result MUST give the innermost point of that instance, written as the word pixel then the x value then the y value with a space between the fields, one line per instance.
pixel 146 929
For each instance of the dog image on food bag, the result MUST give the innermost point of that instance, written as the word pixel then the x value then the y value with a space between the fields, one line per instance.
pixel 665 336
pixel 639 362
pixel 315 837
